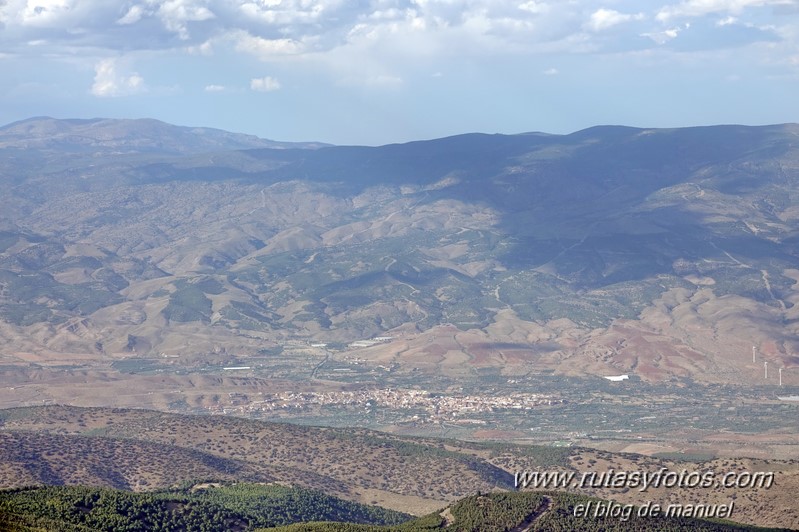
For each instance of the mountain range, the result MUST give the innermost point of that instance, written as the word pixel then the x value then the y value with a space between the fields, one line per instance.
pixel 665 252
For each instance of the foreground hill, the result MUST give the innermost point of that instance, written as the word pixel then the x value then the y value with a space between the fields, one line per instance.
pixel 247 507
pixel 144 450
pixel 525 512
pixel 201 507
pixel 133 449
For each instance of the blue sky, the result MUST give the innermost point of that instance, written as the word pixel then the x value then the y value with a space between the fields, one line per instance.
pixel 380 71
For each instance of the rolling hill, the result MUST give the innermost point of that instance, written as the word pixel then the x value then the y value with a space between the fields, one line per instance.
pixel 147 451
pixel 250 507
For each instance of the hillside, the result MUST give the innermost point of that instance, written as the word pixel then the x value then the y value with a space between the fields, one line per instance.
pixel 248 507
pixel 530 512
pixel 667 253
pixel 200 507
pixel 144 450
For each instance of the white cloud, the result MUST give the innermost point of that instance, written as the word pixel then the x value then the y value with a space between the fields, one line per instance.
pixel 266 84
pixel 215 88
pixel 602 19
pixel 173 14
pixel 366 40
pixel 288 11
pixel 551 72
pixel 45 13
pixel 176 13
pixel 662 37
pixel 108 82
pixel 133 15
pixel 269 29
pixel 265 48
pixel 206 48
pixel 698 8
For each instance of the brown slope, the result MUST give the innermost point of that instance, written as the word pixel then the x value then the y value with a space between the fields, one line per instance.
pixel 54 444
pixel 36 458
pixel 356 464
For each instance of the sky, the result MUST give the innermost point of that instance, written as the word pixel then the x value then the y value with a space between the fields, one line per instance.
pixel 373 72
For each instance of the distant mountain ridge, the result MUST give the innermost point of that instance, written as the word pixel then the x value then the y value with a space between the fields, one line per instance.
pixel 145 233
pixel 129 135
pixel 243 507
